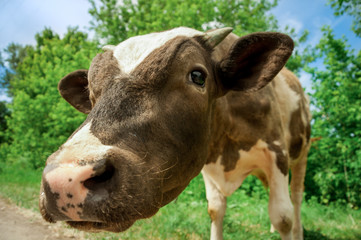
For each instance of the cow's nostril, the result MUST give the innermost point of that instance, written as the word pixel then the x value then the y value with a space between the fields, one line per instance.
pixel 101 177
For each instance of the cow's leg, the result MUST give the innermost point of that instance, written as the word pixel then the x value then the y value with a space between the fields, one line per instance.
pixel 297 187
pixel 280 206
pixel 217 204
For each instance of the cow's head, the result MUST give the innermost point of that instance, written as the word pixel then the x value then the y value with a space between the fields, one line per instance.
pixel 150 101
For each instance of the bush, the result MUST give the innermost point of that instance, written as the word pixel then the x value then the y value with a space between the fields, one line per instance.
pixel 41 120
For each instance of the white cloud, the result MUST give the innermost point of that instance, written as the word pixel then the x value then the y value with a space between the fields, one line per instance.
pixel 291 22
pixel 305 79
pixel 5 98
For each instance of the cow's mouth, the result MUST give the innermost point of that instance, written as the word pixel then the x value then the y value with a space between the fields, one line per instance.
pixel 100 226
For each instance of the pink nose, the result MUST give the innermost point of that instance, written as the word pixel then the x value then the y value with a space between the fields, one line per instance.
pixel 69 187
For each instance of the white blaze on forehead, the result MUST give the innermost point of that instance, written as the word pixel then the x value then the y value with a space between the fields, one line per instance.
pixel 82 146
pixel 133 51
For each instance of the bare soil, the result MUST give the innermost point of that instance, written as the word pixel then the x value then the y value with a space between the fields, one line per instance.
pixel 23 224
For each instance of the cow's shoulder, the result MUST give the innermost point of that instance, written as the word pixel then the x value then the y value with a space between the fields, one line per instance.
pixel 278 113
pixel 296 103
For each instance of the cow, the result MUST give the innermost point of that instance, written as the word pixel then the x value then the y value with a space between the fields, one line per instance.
pixel 164 107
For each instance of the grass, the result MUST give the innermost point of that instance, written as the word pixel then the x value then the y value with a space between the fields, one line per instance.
pixel 20 185
pixel 187 217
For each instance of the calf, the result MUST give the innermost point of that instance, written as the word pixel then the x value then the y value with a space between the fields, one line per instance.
pixel 165 106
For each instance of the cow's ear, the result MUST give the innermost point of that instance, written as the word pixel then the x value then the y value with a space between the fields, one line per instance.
pixel 254 60
pixel 74 89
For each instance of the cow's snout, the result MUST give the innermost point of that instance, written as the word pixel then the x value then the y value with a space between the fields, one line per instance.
pixel 70 187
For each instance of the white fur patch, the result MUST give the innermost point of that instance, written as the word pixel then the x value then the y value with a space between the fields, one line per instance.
pixel 289 102
pixel 258 157
pixel 287 97
pixel 82 146
pixel 277 143
pixel 228 182
pixel 133 51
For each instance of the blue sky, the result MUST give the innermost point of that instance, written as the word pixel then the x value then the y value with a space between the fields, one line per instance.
pixel 312 15
pixel 20 20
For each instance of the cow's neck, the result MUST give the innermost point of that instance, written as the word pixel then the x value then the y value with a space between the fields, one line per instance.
pixel 239 121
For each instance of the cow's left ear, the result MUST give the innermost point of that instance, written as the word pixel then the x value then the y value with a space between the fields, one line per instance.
pixel 254 60
pixel 74 89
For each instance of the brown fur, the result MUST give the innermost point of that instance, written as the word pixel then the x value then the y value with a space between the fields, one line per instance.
pixel 104 68
pixel 73 84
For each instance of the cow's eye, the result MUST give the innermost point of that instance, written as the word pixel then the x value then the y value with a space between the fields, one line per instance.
pixel 198 78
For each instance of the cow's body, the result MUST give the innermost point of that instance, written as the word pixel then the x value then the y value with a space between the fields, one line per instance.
pixel 165 106
pixel 264 139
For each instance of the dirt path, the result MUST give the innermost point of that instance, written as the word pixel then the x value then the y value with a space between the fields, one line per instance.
pixel 22 224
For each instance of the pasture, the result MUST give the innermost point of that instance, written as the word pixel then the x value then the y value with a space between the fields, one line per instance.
pixel 187 217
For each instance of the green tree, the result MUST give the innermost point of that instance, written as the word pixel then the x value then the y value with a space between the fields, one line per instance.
pixel 41 121
pixel 15 54
pixel 114 21
pixel 350 7
pixel 4 112
pixel 335 160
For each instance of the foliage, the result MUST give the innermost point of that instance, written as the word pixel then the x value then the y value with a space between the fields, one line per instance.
pixel 335 160
pixel 15 54
pixel 298 59
pixel 4 112
pixel 115 21
pixel 350 7
pixel 40 121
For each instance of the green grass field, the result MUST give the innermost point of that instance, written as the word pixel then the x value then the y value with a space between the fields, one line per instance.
pixel 187 218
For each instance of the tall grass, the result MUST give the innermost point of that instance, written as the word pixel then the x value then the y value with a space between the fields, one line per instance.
pixel 187 217
pixel 21 185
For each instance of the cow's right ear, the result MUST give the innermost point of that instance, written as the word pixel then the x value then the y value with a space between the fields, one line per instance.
pixel 253 61
pixel 74 89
